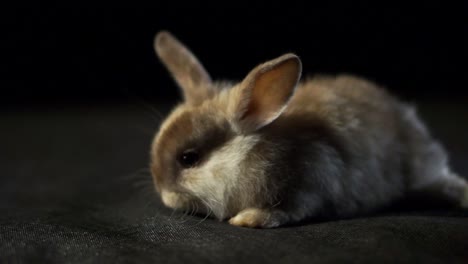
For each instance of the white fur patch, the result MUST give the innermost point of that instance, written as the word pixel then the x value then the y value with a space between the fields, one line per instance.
pixel 214 181
pixel 172 199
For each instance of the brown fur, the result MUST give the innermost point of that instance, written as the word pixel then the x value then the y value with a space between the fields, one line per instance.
pixel 274 151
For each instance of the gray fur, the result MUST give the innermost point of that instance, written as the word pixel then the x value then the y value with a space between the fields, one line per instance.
pixel 330 146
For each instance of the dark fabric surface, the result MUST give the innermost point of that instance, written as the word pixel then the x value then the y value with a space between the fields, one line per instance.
pixel 74 189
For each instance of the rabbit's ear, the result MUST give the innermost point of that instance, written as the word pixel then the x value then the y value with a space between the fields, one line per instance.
pixel 263 95
pixel 185 68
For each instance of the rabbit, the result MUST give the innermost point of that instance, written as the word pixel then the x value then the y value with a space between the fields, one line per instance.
pixel 272 150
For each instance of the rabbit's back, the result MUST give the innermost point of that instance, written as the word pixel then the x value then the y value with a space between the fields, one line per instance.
pixel 347 102
pixel 363 114
pixel 366 122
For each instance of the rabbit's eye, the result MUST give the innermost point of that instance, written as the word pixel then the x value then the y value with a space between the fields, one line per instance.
pixel 189 158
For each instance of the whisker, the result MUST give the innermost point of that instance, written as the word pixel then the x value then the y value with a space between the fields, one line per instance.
pixel 196 207
pixel 206 216
pixel 191 209
pixel 172 214
pixel 276 204
pixel 138 173
pixel 139 101
pixel 142 183
pixel 157 114
pixel 186 210
pixel 215 201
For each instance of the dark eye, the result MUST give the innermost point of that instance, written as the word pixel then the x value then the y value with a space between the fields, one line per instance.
pixel 189 158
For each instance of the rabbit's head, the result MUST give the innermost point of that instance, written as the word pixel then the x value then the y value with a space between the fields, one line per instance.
pixel 208 154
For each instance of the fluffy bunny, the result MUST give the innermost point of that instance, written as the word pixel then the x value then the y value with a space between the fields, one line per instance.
pixel 271 150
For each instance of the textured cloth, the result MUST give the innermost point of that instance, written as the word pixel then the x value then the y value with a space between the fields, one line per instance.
pixel 74 188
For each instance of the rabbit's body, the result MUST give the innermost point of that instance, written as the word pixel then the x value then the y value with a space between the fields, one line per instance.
pixel 349 130
pixel 263 153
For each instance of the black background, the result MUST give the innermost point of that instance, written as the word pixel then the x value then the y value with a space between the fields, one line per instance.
pixel 74 141
pixel 61 55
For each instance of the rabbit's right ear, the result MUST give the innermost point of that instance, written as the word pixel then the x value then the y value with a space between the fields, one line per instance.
pixel 264 94
pixel 185 68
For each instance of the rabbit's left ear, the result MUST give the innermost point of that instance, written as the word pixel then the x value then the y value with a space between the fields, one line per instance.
pixel 263 95
pixel 185 68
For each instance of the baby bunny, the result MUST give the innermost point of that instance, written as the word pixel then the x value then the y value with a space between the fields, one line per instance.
pixel 271 150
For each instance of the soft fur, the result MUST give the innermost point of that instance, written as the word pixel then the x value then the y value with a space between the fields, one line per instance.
pixel 275 150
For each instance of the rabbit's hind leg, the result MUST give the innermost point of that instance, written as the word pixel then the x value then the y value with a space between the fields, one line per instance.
pixel 429 170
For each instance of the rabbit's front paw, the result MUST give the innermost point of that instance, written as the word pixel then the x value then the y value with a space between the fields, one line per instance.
pixel 258 218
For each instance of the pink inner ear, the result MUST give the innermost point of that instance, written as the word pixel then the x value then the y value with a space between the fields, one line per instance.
pixel 272 88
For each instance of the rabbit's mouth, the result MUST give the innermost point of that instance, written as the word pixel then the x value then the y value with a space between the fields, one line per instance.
pixel 174 200
pixel 183 201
